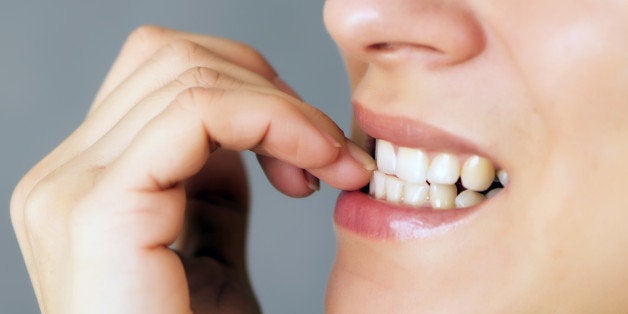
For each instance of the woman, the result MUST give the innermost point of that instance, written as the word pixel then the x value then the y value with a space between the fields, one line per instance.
pixel 450 95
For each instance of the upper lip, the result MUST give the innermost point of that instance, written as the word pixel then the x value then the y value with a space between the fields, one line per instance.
pixel 411 132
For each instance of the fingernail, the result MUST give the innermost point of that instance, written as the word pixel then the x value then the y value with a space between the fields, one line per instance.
pixel 312 182
pixel 361 156
pixel 284 87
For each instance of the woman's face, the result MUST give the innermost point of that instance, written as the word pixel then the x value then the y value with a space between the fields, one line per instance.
pixel 540 89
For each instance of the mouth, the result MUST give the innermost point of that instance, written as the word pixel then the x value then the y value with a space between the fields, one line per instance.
pixel 427 181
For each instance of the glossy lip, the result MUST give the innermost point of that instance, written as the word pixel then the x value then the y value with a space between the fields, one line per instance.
pixel 377 219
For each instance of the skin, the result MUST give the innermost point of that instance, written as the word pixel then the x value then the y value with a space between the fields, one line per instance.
pixel 544 82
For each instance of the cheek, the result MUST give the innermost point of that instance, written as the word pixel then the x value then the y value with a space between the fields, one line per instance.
pixel 573 59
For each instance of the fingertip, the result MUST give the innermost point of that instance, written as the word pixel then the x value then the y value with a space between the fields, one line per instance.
pixel 361 156
pixel 346 173
pixel 312 182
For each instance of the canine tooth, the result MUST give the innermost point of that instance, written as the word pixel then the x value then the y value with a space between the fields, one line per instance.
pixel 477 173
pixel 385 155
pixel 468 198
pixel 492 192
pixel 442 196
pixel 394 189
pixel 444 169
pixel 411 164
pixel 503 177
pixel 415 194
pixel 378 185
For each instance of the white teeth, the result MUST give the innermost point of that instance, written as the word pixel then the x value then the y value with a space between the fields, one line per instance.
pixel 412 165
pixel 503 177
pixel 416 194
pixel 378 185
pixel 442 196
pixel 385 156
pixel 394 189
pixel 444 169
pixel 477 173
pixel 403 175
pixel 468 198
pixel 492 192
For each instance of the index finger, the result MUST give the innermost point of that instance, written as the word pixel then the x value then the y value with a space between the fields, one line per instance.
pixel 177 143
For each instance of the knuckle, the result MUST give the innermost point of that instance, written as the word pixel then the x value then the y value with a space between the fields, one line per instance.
pixel 185 51
pixel 18 198
pixel 192 99
pixel 200 76
pixel 146 34
pixel 21 193
pixel 207 77
pixel 37 212
pixel 251 52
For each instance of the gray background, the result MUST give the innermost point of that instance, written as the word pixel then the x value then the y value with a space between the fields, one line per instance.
pixel 53 57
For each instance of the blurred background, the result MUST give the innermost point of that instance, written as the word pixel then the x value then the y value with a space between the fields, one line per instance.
pixel 53 58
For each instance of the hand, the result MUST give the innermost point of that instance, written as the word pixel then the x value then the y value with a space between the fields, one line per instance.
pixel 155 166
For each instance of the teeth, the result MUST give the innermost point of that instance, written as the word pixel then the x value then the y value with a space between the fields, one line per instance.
pixel 403 175
pixel 503 177
pixel 412 165
pixel 378 185
pixel 492 192
pixel 394 189
pixel 468 198
pixel 385 156
pixel 416 194
pixel 477 173
pixel 442 196
pixel 444 169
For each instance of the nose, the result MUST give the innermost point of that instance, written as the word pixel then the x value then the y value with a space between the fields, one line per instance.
pixel 394 32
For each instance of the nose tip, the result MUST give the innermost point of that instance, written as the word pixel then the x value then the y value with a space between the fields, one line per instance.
pixel 430 32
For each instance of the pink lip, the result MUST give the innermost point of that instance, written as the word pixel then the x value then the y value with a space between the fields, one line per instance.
pixel 375 219
pixel 411 133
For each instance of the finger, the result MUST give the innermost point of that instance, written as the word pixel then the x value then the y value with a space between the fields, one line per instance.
pixel 117 139
pixel 341 174
pixel 199 117
pixel 287 178
pixel 146 40
pixel 290 180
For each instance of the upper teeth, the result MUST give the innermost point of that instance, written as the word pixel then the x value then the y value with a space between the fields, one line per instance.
pixel 404 173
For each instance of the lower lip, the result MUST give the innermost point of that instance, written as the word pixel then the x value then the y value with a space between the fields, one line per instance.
pixel 375 219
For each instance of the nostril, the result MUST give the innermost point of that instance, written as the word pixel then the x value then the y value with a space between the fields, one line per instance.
pixel 383 47
pixel 396 31
pixel 394 52
pixel 395 46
